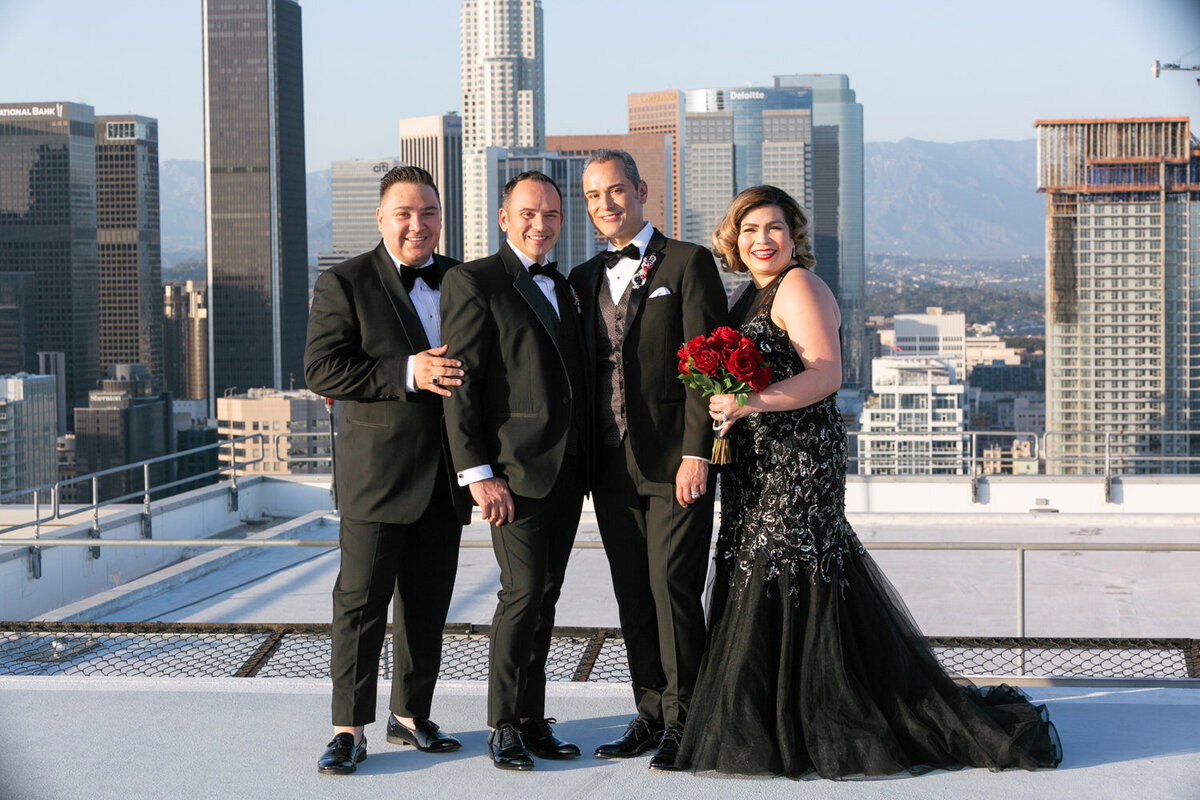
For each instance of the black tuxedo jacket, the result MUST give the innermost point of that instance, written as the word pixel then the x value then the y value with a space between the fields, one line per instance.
pixel 361 330
pixel 515 407
pixel 682 298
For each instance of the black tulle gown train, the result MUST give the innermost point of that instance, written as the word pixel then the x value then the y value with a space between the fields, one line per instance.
pixel 814 666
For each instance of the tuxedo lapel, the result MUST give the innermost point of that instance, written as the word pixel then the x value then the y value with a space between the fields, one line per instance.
pixel 651 259
pixel 529 290
pixel 402 304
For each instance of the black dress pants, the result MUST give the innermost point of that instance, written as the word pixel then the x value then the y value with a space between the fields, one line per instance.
pixel 414 565
pixel 658 553
pixel 532 552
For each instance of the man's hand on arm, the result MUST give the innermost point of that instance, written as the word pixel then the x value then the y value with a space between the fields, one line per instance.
pixel 691 481
pixel 433 372
pixel 494 500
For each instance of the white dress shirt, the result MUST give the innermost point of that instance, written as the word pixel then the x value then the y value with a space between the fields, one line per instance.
pixel 621 273
pixel 546 284
pixel 426 301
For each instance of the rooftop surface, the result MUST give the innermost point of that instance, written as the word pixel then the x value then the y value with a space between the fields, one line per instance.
pixel 134 737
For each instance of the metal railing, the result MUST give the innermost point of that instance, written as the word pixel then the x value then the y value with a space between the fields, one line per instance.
pixel 1019 549
pixel 57 511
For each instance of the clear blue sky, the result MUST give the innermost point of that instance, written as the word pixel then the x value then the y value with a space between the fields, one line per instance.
pixel 948 71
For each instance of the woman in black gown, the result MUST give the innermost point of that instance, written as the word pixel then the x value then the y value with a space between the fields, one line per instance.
pixel 814 665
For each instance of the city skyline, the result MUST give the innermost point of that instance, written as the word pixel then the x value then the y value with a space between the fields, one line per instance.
pixel 918 71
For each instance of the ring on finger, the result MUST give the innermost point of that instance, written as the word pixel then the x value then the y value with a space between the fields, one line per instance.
pixel 695 494
pixel 724 417
pixel 435 380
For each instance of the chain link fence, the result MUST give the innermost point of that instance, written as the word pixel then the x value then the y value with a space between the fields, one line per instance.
pixel 187 650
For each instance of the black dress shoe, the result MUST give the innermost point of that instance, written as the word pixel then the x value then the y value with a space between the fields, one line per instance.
pixel 540 740
pixel 639 736
pixel 425 736
pixel 668 750
pixel 507 749
pixel 342 756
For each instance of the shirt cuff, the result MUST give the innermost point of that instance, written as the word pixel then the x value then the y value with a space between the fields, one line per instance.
pixel 474 474
pixel 700 458
pixel 410 379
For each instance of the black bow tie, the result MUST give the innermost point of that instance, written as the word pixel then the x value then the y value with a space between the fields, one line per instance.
pixel 431 274
pixel 630 250
pixel 548 269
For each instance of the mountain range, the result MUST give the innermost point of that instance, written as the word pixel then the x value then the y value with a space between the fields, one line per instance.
pixel 922 199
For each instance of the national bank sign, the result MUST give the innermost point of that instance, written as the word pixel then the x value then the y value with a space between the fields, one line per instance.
pixel 55 110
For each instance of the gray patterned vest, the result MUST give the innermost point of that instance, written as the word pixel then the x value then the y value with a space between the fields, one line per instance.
pixel 610 366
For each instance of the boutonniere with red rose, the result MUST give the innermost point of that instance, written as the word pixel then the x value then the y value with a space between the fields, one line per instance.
pixel 639 277
pixel 724 362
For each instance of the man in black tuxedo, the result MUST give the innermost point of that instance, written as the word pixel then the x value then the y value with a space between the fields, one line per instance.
pixel 373 336
pixel 641 300
pixel 518 436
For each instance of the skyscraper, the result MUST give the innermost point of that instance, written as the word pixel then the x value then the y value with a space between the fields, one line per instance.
pixel 435 145
pixel 1122 306
pixel 48 227
pixel 738 138
pixel 127 221
pixel 353 198
pixel 255 214
pixel 503 85
pixel 185 341
pixel 663 113
pixel 651 151
pixel 837 206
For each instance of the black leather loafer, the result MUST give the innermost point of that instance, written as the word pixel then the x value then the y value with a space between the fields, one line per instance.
pixel 668 749
pixel 342 756
pixel 640 736
pixel 425 736
pixel 540 740
pixel 507 749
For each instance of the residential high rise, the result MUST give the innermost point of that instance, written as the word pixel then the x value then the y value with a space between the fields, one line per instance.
pixel 1122 306
pixel 837 206
pixel 503 86
pixel 738 138
pixel 662 113
pixel 934 333
pixel 651 151
pixel 185 340
pixel 913 421
pixel 48 227
pixel 255 214
pixel 435 145
pixel 28 433
pixel 353 199
pixel 130 260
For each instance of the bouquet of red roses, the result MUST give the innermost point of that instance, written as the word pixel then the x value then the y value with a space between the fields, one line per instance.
pixel 724 362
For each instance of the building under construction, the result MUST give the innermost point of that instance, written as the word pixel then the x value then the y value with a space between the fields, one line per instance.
pixel 1122 294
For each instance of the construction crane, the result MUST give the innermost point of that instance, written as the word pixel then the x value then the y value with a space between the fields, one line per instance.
pixel 1158 67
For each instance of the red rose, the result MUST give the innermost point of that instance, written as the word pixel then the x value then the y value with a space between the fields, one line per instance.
pixel 728 337
pixel 683 364
pixel 694 346
pixel 742 362
pixel 762 377
pixel 744 342
pixel 706 361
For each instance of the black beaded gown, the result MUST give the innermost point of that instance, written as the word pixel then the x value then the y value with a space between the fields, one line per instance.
pixel 814 666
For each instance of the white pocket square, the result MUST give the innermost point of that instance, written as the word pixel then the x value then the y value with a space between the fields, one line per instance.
pixel 661 291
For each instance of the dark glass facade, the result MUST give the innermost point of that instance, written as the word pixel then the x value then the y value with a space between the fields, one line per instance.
pixel 255 193
pixel 48 228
